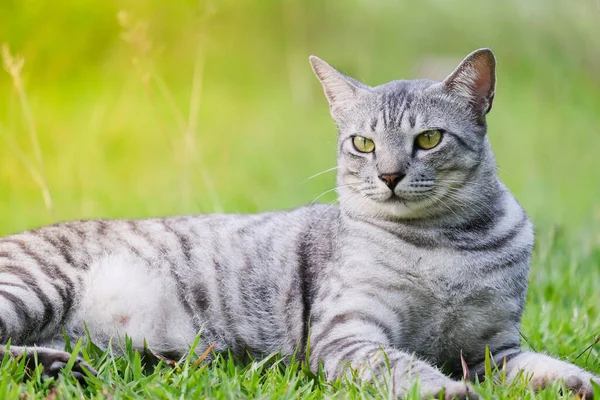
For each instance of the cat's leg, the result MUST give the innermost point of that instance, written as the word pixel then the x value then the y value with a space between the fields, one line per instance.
pixel 19 319
pixel 32 303
pixel 543 370
pixel 359 345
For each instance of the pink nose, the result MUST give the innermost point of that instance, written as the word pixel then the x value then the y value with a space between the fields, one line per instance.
pixel 391 180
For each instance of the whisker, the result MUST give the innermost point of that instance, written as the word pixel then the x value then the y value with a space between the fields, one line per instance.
pixel 480 206
pixel 334 188
pixel 318 174
pixel 470 184
pixel 505 171
pixel 322 194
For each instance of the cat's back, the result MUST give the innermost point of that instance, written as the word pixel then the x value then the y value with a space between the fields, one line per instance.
pixel 153 237
pixel 162 279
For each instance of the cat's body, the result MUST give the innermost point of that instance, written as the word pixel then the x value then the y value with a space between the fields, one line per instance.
pixel 252 283
pixel 427 262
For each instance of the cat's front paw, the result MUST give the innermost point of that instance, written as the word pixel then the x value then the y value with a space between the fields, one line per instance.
pixel 581 385
pixel 456 390
pixel 578 384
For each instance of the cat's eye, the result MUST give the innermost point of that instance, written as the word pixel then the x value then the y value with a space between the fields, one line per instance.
pixel 363 144
pixel 429 139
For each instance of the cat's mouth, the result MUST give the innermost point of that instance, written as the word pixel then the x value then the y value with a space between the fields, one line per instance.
pixel 408 196
pixel 399 203
pixel 405 201
pixel 394 196
pixel 395 199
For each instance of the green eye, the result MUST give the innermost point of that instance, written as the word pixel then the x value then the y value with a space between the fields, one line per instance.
pixel 363 144
pixel 429 139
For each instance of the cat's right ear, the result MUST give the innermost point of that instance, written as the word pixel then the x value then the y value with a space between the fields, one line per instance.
pixel 341 91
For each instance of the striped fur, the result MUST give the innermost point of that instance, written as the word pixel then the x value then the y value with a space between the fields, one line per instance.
pixel 434 268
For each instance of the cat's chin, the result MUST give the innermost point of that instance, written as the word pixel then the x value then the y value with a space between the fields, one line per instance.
pixel 393 208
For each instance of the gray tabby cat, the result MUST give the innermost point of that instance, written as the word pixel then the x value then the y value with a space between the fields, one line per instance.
pixel 426 257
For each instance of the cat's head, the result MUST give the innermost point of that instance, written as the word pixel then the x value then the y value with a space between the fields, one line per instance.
pixel 409 149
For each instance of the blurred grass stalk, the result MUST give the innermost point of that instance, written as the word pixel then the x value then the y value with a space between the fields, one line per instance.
pixel 135 33
pixel 14 65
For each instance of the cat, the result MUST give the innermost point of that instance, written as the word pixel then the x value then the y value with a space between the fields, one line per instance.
pixel 424 262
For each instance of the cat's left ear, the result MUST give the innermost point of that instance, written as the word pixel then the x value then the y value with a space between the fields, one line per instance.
pixel 341 90
pixel 475 80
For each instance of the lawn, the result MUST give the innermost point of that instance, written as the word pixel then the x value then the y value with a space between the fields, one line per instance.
pixel 137 109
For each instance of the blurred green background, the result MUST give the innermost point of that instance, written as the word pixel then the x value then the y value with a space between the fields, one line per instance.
pixel 174 107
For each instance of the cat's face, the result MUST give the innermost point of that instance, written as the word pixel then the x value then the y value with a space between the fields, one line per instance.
pixel 408 148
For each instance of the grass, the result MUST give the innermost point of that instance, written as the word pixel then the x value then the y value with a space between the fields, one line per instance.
pixel 135 109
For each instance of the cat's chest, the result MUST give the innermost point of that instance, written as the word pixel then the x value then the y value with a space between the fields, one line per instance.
pixel 441 300
pixel 432 280
pixel 438 272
